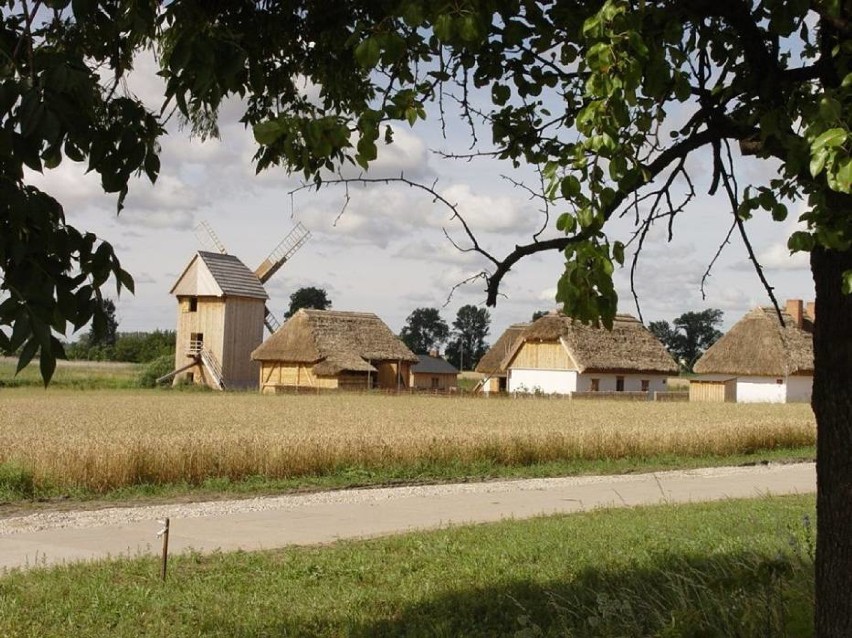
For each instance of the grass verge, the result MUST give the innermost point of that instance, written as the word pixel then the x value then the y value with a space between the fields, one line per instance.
pixel 736 568
pixel 19 492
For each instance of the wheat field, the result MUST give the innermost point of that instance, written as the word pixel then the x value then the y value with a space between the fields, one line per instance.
pixel 102 440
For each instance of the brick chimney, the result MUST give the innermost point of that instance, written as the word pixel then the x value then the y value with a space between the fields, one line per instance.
pixel 434 353
pixel 811 311
pixel 794 309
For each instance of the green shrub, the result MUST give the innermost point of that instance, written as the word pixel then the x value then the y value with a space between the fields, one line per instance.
pixel 155 369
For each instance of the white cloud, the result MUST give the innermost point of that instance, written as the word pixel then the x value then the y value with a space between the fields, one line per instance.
pixel 778 257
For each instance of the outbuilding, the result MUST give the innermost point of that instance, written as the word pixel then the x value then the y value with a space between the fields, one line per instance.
pixel 433 372
pixel 760 361
pixel 330 349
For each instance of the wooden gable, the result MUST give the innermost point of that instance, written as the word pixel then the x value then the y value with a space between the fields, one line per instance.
pixel 541 355
pixel 196 281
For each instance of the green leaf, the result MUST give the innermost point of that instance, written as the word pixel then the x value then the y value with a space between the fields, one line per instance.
pixel 800 241
pixel 500 94
pixel 27 354
pixel 847 282
pixel 844 175
pixel 469 30
pixel 126 280
pixel 367 53
pixel 47 365
pixel 444 27
pixel 268 132
pixel 831 138
pixel 570 186
pixel 818 160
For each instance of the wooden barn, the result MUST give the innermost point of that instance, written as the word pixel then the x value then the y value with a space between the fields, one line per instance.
pixel 221 309
pixel 493 375
pixel 330 349
pixel 433 372
pixel 758 360
pixel 557 355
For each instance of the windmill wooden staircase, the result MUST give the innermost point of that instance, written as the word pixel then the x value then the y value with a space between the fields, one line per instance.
pixel 211 363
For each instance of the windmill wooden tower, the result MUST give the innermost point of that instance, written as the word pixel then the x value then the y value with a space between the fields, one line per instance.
pixel 222 311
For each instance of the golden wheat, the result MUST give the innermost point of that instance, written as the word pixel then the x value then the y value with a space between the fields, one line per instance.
pixel 108 439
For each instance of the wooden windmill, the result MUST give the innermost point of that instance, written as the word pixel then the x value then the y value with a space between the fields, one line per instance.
pixel 222 310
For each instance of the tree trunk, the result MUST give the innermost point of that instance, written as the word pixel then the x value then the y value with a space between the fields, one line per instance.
pixel 832 405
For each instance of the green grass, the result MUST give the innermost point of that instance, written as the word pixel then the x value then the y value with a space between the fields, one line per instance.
pixel 78 375
pixel 737 568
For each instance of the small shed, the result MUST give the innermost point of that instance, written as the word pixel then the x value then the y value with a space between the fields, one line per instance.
pixel 433 373
pixel 558 355
pixel 760 361
pixel 331 349
pixel 489 366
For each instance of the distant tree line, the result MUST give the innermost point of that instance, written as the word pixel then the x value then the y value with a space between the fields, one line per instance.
pixel 103 341
pixel 425 330
pixel 132 347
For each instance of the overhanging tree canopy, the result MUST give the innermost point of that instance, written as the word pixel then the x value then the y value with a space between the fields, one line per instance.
pixel 609 99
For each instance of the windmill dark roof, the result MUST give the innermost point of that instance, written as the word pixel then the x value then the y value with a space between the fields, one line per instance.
pixel 433 365
pixel 233 276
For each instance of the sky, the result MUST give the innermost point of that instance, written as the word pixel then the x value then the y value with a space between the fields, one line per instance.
pixel 384 249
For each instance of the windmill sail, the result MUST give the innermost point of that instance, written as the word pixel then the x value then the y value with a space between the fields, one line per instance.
pixel 269 320
pixel 208 238
pixel 294 240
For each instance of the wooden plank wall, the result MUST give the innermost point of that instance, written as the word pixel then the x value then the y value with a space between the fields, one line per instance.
pixel 709 391
pixel 386 373
pixel 424 381
pixel 243 332
pixel 208 319
pixel 547 355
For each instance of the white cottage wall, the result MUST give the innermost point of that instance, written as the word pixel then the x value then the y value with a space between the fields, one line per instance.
pixel 607 382
pixel 547 381
pixel 761 390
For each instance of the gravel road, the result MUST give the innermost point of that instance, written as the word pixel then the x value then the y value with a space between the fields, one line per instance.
pixel 49 537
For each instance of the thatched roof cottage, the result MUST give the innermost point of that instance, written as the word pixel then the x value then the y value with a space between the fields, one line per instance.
pixel 556 354
pixel 494 376
pixel 330 349
pixel 758 360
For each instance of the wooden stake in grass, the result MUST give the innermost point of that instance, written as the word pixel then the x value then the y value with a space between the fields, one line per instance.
pixel 165 534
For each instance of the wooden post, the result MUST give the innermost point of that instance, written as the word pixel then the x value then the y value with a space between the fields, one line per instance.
pixel 165 534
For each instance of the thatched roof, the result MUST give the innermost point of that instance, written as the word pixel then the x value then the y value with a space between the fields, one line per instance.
pixel 334 341
pixel 490 362
pixel 757 345
pixel 628 347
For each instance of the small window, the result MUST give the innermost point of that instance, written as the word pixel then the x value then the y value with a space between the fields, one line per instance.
pixel 190 377
pixel 646 385
pixel 193 304
pixel 779 381
pixel 596 385
pixel 619 384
